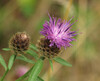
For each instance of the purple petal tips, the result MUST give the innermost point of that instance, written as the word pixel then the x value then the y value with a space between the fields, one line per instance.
pixel 58 32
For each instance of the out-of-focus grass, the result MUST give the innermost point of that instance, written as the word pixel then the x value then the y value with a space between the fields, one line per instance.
pixel 29 15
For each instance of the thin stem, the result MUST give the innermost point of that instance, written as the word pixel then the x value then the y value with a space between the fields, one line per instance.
pixel 4 75
pixel 50 72
pixel 68 9
pixel 24 76
pixel 7 69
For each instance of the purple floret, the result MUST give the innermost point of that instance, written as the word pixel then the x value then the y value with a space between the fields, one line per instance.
pixel 58 32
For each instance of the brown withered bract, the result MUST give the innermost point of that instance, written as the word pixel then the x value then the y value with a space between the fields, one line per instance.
pixel 19 42
pixel 45 50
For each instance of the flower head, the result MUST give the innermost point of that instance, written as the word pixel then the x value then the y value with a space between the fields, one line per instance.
pixel 19 42
pixel 59 33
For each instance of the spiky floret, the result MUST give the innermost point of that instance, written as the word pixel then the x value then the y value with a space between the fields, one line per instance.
pixel 19 42
pixel 45 50
pixel 58 33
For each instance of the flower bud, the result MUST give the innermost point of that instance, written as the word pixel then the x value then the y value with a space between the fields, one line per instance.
pixel 19 42
pixel 46 50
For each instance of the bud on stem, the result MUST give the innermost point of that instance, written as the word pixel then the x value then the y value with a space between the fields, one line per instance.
pixel 19 42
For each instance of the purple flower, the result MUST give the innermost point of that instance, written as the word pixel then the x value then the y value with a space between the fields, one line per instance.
pixel 58 32
pixel 21 70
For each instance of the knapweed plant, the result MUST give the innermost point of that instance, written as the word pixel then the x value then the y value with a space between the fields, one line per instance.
pixel 57 35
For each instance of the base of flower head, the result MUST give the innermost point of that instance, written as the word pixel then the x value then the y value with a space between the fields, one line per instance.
pixel 45 50
pixel 19 42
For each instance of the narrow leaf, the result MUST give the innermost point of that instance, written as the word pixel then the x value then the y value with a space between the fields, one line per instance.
pixel 25 59
pixel 6 49
pixel 62 61
pixel 23 56
pixel 32 53
pixel 11 61
pixel 3 62
pixel 51 64
pixel 39 79
pixel 36 70
pixel 33 47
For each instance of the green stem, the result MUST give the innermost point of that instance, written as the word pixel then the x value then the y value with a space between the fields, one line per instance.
pixel 4 75
pixel 25 75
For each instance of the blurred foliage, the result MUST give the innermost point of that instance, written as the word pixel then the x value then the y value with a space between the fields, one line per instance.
pixel 27 6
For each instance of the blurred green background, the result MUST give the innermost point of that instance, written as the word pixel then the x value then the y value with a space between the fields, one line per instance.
pixel 29 16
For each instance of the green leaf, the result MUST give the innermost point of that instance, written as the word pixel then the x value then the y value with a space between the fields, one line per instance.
pixel 3 62
pixel 51 64
pixel 36 70
pixel 33 47
pixel 39 79
pixel 62 61
pixel 11 61
pixel 25 59
pixel 6 49
pixel 32 53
